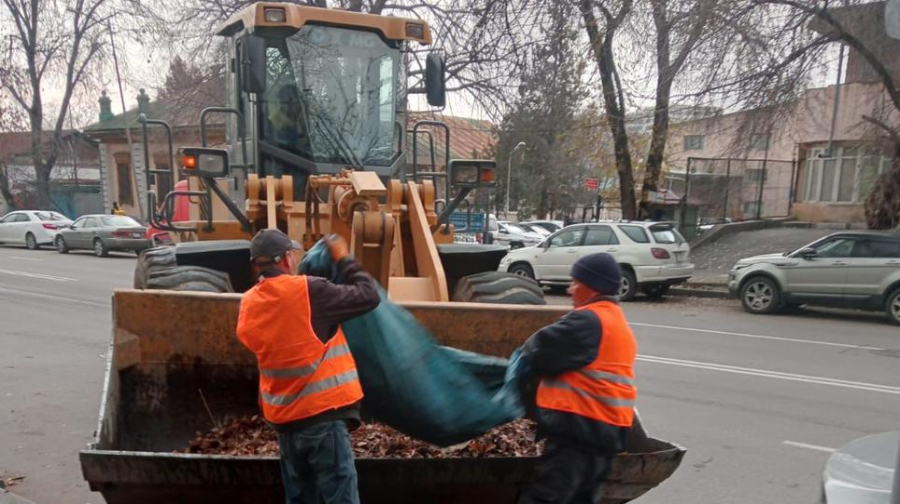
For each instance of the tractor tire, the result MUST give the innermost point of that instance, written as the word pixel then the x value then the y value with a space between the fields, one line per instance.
pixel 151 261
pixel 497 287
pixel 189 278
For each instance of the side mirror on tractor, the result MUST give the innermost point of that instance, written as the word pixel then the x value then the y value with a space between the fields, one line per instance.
pixel 252 54
pixel 204 162
pixel 435 80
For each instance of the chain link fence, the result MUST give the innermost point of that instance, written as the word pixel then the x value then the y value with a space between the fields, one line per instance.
pixel 719 190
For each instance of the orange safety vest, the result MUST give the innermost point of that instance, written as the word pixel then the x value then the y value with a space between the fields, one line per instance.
pixel 604 389
pixel 299 376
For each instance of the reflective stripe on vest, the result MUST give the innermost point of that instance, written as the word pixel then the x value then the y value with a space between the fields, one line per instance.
pixel 603 390
pixel 311 388
pixel 299 376
pixel 301 371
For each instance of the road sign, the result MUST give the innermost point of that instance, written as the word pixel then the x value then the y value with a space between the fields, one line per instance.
pixel 592 183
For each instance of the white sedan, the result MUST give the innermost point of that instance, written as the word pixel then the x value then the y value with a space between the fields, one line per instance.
pixel 653 255
pixel 32 228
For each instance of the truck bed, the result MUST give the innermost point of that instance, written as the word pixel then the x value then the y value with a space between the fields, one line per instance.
pixel 170 352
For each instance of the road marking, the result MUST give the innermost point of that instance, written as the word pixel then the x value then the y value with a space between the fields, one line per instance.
pixel 765 373
pixel 55 298
pixel 757 336
pixel 24 258
pixel 39 276
pixel 810 446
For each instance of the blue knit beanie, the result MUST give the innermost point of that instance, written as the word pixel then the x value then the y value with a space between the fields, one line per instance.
pixel 599 272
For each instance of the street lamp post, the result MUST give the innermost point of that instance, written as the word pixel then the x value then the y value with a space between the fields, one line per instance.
pixel 509 175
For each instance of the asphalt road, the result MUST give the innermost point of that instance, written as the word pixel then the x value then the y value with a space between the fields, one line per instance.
pixel 757 401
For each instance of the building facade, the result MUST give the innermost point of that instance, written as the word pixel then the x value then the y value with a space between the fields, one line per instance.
pixel 817 158
pixel 121 157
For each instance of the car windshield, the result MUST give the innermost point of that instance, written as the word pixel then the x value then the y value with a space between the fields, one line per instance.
pixel 332 96
pixel 666 234
pixel 535 229
pixel 119 221
pixel 512 228
pixel 50 216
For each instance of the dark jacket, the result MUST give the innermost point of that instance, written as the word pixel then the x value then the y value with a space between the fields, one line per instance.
pixel 570 344
pixel 331 304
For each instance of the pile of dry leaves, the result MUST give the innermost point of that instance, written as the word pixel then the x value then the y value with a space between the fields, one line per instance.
pixel 252 436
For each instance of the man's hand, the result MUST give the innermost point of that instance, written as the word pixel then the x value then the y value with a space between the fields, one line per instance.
pixel 337 247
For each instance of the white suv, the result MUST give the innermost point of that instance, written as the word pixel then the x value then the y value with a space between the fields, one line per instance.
pixel 653 255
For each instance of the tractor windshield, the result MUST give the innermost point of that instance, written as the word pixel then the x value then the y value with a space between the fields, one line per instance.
pixel 332 96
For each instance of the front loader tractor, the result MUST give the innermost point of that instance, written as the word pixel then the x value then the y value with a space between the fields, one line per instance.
pixel 318 141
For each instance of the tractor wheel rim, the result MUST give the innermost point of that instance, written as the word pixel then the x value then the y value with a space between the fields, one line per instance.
pixel 758 296
pixel 623 287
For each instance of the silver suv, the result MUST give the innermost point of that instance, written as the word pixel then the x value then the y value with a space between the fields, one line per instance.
pixel 849 269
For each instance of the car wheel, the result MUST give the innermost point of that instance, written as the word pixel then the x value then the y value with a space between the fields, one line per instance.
pixel 61 245
pixel 31 242
pixel 892 307
pixel 523 270
pixel 100 249
pixel 760 295
pixel 656 291
pixel 628 287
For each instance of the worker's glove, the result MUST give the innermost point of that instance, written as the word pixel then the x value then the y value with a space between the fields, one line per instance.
pixel 337 247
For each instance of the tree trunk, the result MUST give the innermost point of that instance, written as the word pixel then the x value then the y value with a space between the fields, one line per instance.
pixel 5 190
pixel 657 145
pixel 42 186
pixel 602 48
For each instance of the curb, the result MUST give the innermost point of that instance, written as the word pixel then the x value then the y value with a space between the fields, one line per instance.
pixel 10 498
pixel 700 293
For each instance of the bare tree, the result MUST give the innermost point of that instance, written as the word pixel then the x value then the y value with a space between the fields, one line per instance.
pixel 679 27
pixel 10 121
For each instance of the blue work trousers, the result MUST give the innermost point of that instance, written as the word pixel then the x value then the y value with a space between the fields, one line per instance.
pixel 317 465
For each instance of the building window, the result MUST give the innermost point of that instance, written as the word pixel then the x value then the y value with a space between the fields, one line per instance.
pixel 693 142
pixel 123 180
pixel 759 142
pixel 846 174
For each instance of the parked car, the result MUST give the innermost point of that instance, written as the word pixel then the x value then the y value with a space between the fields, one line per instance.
pixel 853 269
pixel 32 228
pixel 103 234
pixel 550 225
pixel 513 236
pixel 544 232
pixel 653 255
pixel 863 471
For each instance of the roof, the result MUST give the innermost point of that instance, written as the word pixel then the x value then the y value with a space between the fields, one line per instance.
pixel 856 19
pixel 469 138
pixel 178 115
pixel 18 143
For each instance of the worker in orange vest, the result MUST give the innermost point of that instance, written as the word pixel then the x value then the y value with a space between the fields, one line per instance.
pixel 586 393
pixel 309 390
